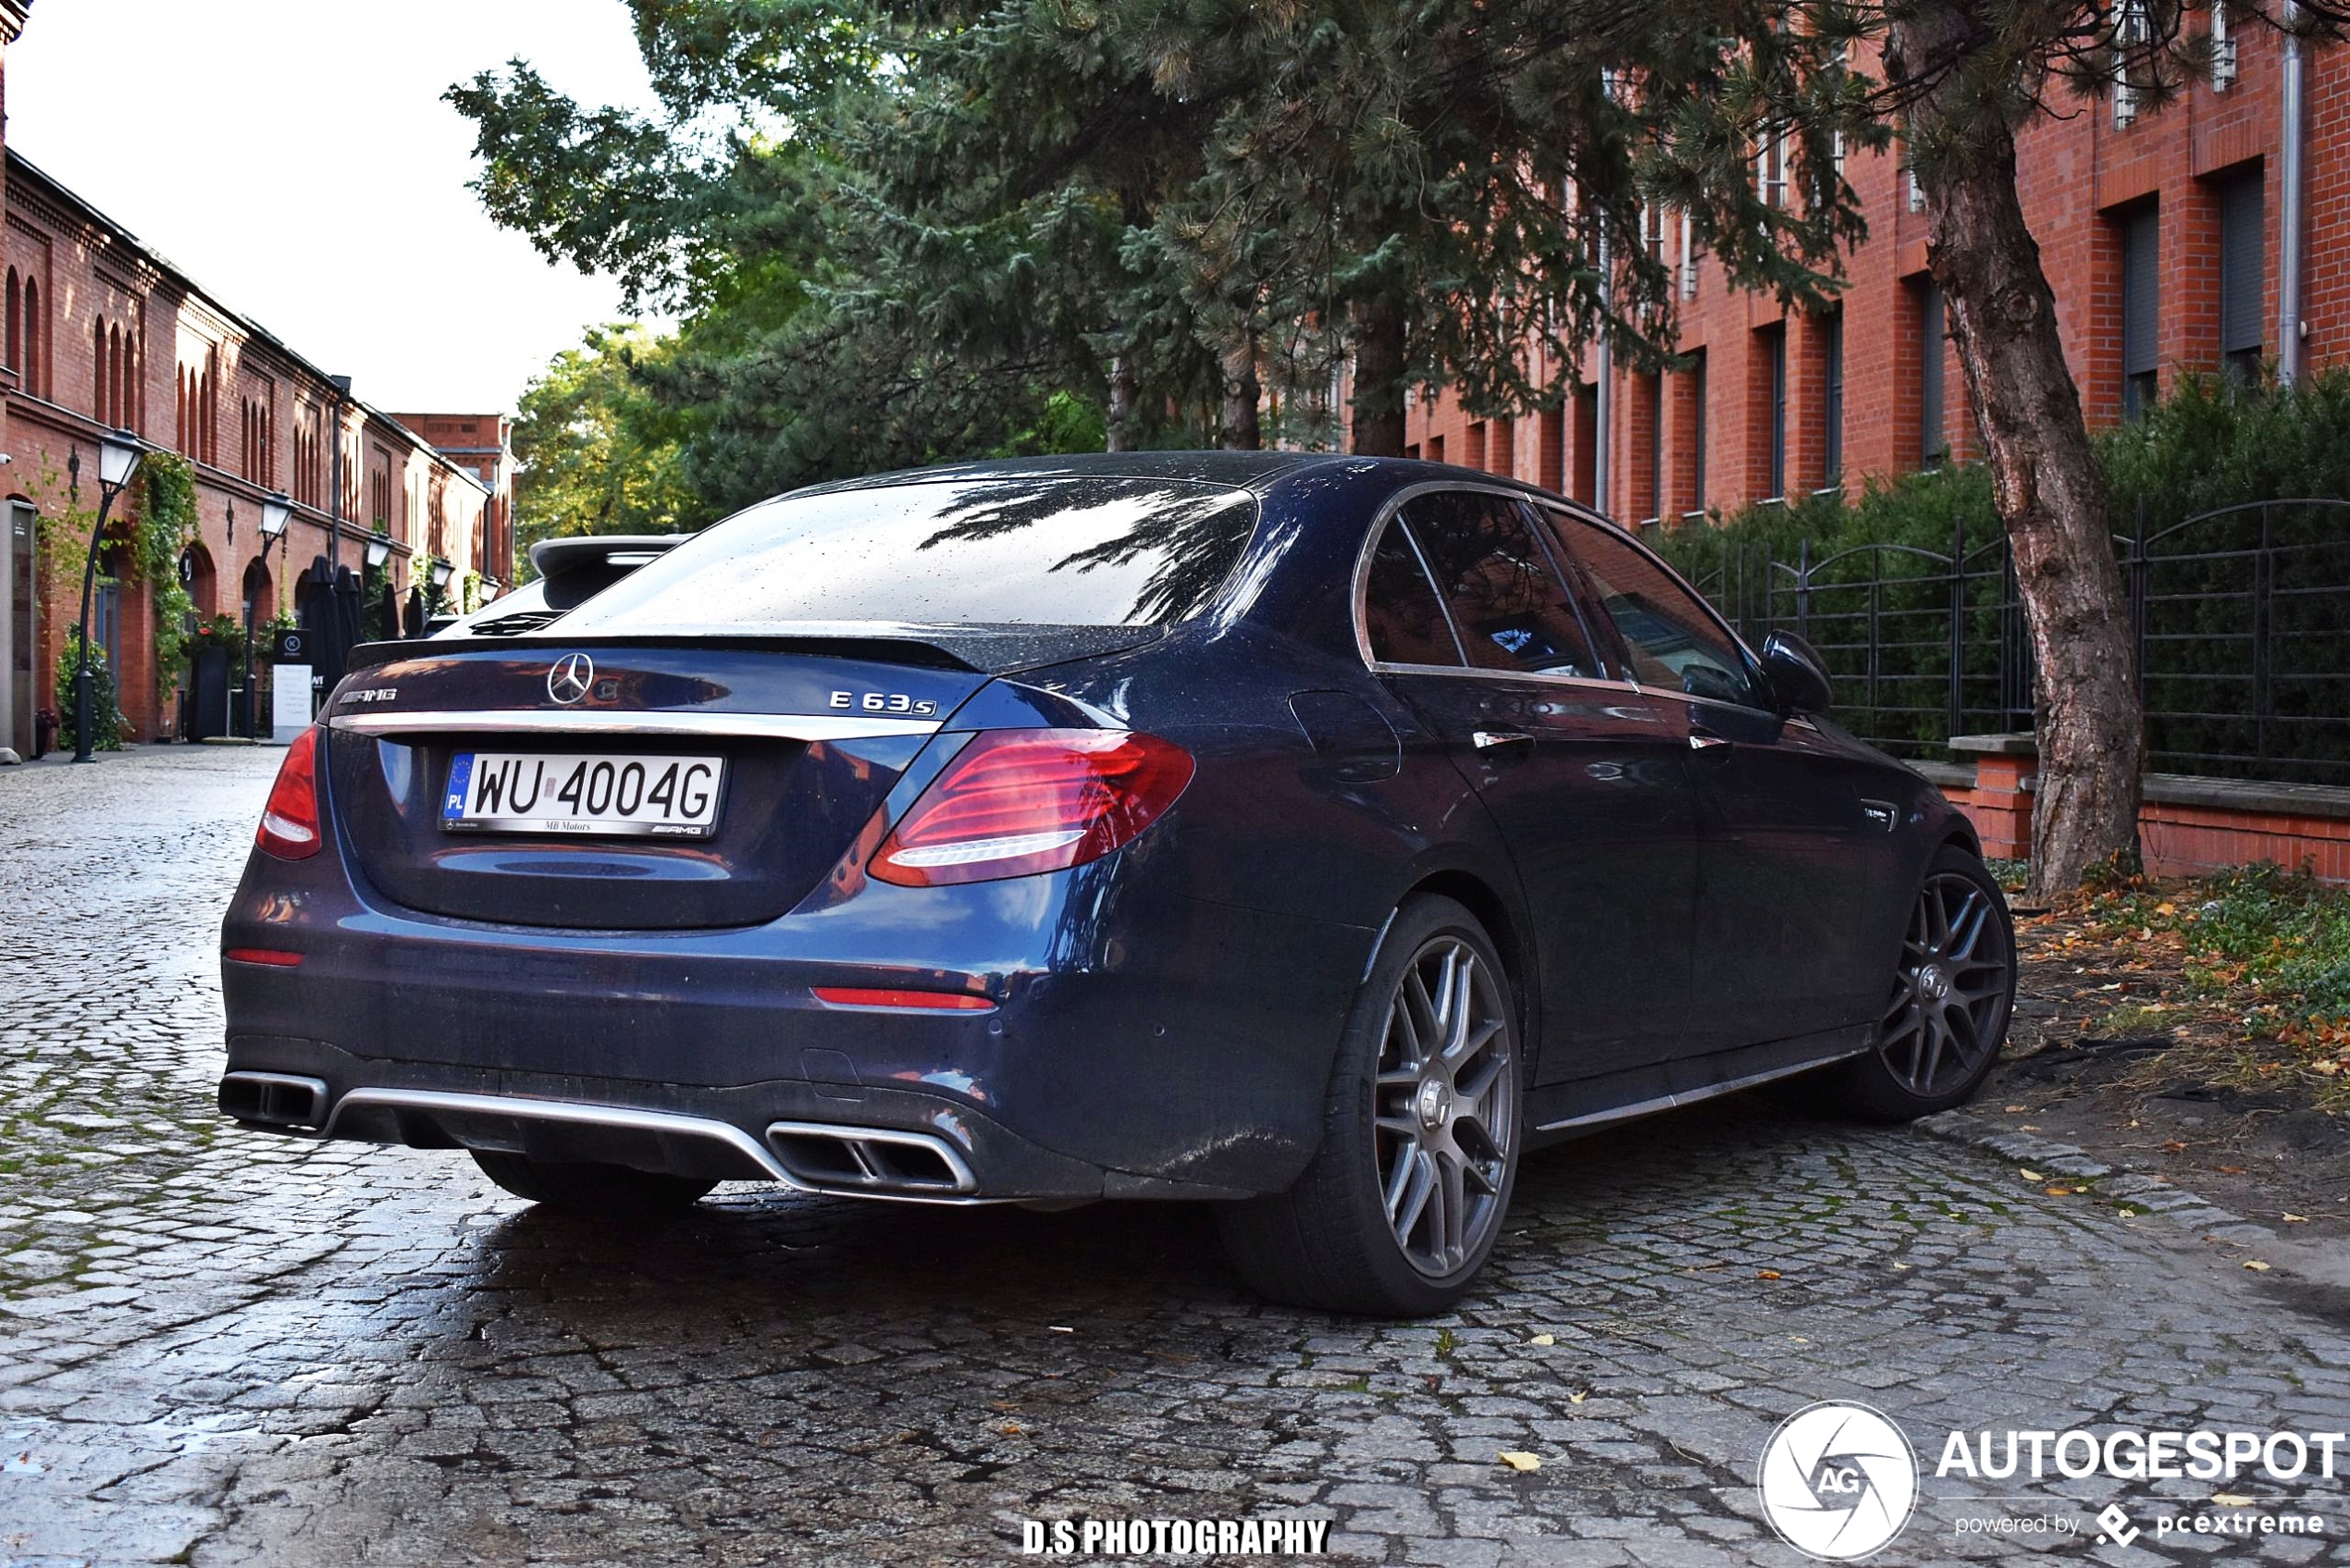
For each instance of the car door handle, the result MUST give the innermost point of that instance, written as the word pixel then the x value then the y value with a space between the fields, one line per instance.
pixel 1500 740
pixel 1706 740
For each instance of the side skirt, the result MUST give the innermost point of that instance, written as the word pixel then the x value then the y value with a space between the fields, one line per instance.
pixel 1567 1110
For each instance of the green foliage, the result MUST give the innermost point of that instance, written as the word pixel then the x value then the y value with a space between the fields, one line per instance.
pixel 598 452
pixel 106 722
pixel 2279 933
pixel 165 524
pixel 222 632
pixel 2212 445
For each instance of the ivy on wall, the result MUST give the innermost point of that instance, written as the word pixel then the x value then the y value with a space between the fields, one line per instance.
pixel 167 523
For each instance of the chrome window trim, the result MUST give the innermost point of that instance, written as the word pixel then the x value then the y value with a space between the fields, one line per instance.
pixel 1358 598
pixel 571 722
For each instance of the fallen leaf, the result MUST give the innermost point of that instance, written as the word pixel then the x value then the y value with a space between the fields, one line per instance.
pixel 1519 1461
pixel 1003 1404
pixel 1579 1399
pixel 2165 908
pixel 2229 1170
pixel 2059 1191
pixel 2174 1147
pixel 1767 1274
pixel 1901 1268
pixel 2255 1265
pixel 1009 1429
pixel 2032 1176
pixel 2230 1500
pixel 2019 1110
pixel 2296 1219
pixel 1797 1339
pixel 1057 1329
pixel 1543 1340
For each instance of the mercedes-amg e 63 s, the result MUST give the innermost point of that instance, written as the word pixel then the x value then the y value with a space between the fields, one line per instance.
pixel 1309 835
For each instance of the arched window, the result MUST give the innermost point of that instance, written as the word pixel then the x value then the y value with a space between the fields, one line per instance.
pixel 98 373
pixel 115 411
pixel 260 601
pixel 35 333
pixel 16 322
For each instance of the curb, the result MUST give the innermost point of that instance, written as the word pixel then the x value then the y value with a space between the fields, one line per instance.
pixel 2188 1210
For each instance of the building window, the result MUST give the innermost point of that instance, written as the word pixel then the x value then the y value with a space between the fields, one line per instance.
pixel 2243 257
pixel 1689 258
pixel 1931 333
pixel 36 380
pixel 2141 253
pixel 15 321
pixel 1475 456
pixel 1770 169
pixel 1770 350
pixel 1587 443
pixel 1697 431
pixel 1501 456
pixel 1656 446
pixel 1832 399
pixel 2129 33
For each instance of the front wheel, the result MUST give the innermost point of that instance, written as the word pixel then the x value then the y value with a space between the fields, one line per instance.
pixel 583 1186
pixel 1401 1203
pixel 1947 1013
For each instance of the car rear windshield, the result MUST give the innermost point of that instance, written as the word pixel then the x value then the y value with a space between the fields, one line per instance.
pixel 1050 550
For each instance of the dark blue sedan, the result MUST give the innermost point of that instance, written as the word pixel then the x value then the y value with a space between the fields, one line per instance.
pixel 1313 835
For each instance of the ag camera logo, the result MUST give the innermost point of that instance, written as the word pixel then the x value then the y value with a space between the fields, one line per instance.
pixel 1838 1480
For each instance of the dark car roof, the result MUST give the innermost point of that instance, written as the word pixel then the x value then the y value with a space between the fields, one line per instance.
pixel 1239 470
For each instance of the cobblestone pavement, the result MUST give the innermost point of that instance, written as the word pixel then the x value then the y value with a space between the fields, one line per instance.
pixel 220 1348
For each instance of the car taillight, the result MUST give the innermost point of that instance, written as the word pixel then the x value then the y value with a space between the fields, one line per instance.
pixel 1016 802
pixel 290 822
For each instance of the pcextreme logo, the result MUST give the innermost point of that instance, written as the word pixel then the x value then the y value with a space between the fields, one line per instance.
pixel 1838 1480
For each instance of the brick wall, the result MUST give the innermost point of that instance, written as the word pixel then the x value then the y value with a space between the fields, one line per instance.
pixel 107 332
pixel 2075 175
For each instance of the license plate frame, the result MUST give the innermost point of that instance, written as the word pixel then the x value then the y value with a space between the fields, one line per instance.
pixel 498 779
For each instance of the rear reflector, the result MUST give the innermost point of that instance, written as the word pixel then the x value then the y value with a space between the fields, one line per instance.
pixel 275 957
pixel 933 1001
pixel 289 822
pixel 1015 802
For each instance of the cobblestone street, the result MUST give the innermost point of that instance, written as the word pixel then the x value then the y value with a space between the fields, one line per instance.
pixel 217 1347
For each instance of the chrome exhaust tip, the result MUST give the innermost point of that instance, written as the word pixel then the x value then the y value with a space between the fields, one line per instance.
pixel 870 1160
pixel 275 1099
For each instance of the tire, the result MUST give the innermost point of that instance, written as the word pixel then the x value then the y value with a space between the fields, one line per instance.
pixel 1946 1017
pixel 1334 1241
pixel 604 1188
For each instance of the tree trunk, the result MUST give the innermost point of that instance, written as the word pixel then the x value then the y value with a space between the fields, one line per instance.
pixel 1236 426
pixel 1121 405
pixel 2045 479
pixel 1379 378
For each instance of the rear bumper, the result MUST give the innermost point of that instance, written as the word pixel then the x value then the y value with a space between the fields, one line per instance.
pixel 1134 1045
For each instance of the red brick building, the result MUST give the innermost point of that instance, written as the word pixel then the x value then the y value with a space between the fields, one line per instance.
pixel 2159 231
pixel 102 332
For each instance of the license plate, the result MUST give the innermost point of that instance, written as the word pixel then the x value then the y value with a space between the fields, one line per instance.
pixel 533 792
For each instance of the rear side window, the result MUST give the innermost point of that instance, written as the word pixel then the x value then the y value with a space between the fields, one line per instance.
pixel 1674 644
pixel 1508 602
pixel 1050 550
pixel 1402 616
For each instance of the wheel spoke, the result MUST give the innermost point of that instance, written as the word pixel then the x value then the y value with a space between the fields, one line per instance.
pixel 1473 1090
pixel 1453 1215
pixel 1416 1014
pixel 1469 1040
pixel 1937 1033
pixel 1967 927
pixel 1419 1172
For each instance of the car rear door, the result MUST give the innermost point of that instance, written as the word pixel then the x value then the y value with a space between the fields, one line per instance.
pixel 1789 841
pixel 1468 620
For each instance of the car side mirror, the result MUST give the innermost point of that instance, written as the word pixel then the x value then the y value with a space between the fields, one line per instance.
pixel 1798 676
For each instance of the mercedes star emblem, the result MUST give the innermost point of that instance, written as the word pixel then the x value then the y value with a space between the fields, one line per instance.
pixel 569 680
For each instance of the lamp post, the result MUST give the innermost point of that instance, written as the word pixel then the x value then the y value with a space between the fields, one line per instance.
pixel 379 551
pixel 119 456
pixel 276 508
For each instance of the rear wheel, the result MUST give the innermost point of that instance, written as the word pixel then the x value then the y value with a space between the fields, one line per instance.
pixel 1947 1013
pixel 588 1186
pixel 1401 1203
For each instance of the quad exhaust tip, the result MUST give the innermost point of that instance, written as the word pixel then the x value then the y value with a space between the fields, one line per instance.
pixel 831 1158
pixel 275 1099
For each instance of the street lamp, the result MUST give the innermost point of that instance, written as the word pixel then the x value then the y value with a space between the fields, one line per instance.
pixel 386 601
pixel 119 456
pixel 276 509
pixel 440 570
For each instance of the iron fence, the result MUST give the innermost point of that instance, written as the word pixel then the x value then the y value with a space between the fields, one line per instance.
pixel 2240 629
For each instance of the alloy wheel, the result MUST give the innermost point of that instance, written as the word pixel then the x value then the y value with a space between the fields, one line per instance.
pixel 1446 1107
pixel 1957 967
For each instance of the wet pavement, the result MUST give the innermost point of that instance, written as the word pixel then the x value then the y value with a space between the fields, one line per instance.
pixel 217 1347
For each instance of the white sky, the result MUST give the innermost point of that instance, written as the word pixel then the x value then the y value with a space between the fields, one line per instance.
pixel 294 158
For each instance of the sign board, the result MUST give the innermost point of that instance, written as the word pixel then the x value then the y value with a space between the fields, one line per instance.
pixel 290 702
pixel 290 644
